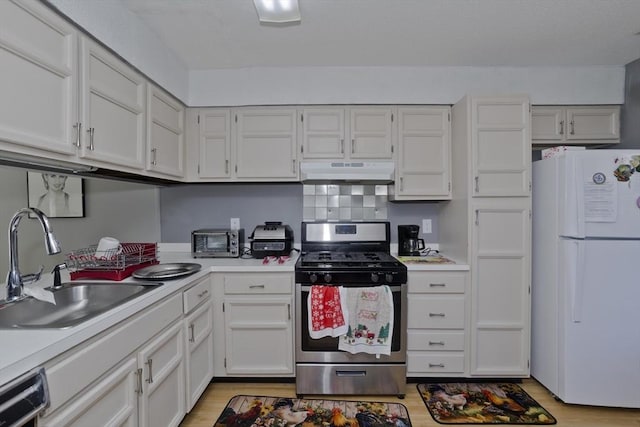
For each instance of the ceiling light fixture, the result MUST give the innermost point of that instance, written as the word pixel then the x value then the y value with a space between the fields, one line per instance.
pixel 277 11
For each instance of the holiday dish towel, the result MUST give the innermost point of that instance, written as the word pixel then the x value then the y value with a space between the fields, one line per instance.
pixel 327 311
pixel 370 321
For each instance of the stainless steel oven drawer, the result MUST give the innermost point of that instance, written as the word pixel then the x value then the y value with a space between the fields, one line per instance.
pixel 387 379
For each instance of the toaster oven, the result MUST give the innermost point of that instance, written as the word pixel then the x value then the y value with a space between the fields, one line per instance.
pixel 216 243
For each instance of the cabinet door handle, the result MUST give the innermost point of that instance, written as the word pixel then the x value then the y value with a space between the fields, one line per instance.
pixel 437 285
pixel 192 337
pixel 342 146
pixel 203 293
pixel 256 286
pixel 477 221
pixel 226 166
pixel 139 380
pixel 401 183
pixel 293 168
pixel 289 311
pixel 573 129
pixel 353 145
pixel 154 155
pixel 436 342
pixel 78 128
pixel 91 131
pixel 476 179
pixel 561 127
pixel 436 315
pixel 150 363
pixel 436 365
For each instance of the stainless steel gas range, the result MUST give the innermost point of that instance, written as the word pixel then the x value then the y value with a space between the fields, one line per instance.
pixel 349 254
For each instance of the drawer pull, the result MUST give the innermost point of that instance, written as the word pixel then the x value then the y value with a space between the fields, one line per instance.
pixel 436 365
pixel 203 293
pixel 150 363
pixel 437 285
pixel 139 377
pixel 256 286
pixel 436 314
pixel 436 342
pixel 192 337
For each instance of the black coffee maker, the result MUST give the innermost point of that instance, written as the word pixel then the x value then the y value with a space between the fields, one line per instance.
pixel 408 242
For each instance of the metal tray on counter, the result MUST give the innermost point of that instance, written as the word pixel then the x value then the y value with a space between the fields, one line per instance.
pixel 167 271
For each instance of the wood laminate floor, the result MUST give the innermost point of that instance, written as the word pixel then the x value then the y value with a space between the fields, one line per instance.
pixel 215 398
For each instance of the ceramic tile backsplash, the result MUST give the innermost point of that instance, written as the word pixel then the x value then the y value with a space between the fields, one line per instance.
pixel 344 202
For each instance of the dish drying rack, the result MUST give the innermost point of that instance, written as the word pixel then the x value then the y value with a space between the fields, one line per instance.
pixel 115 264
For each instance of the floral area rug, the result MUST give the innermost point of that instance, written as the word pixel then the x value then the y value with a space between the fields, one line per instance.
pixel 482 403
pixel 248 411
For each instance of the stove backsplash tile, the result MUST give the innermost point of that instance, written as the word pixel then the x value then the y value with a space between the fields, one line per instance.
pixel 345 202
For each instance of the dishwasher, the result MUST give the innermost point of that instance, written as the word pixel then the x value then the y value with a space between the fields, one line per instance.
pixel 22 399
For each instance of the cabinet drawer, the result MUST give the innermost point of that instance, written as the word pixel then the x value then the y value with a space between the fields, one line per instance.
pixel 434 362
pixel 436 312
pixel 449 282
pixel 418 339
pixel 258 284
pixel 195 295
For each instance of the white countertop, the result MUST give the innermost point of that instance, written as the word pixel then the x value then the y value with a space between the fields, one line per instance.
pixel 25 349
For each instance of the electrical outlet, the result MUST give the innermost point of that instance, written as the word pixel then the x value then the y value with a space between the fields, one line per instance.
pixel 235 223
pixel 426 226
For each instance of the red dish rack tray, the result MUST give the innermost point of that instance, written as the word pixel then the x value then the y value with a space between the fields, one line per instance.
pixel 112 265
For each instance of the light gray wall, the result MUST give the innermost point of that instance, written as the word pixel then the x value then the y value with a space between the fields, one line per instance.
pixel 124 32
pixel 127 211
pixel 630 114
pixel 185 208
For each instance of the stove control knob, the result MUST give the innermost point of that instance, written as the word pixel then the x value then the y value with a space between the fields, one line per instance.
pixel 327 278
pixel 375 277
pixel 313 278
pixel 389 278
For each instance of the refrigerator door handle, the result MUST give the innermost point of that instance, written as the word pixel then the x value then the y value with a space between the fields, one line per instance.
pixel 576 281
pixel 579 186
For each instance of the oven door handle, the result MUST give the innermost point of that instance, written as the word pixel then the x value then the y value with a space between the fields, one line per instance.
pixel 394 288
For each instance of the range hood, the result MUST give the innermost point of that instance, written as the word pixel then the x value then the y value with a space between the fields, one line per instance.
pixel 372 172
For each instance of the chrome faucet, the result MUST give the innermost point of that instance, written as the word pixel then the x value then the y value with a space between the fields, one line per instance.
pixel 15 280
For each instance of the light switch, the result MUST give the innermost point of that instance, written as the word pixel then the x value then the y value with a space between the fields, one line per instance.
pixel 235 223
pixel 426 226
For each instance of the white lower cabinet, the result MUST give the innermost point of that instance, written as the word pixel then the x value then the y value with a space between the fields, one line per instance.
pixel 113 401
pixel 257 331
pixel 161 379
pixel 147 371
pixel 198 329
pixel 501 287
pixel 436 335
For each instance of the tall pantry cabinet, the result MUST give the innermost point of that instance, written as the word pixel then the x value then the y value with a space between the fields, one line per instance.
pixel 488 223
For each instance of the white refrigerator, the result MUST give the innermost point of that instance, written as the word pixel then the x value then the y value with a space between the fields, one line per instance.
pixel 586 277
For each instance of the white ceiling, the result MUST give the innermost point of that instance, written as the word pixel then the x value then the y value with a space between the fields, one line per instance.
pixel 214 34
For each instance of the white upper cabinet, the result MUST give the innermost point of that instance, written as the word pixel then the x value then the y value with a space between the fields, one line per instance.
pixel 500 146
pixel 323 133
pixel 265 144
pixel 326 133
pixel 371 133
pixel 575 125
pixel 113 99
pixel 165 133
pixel 213 144
pixel 424 154
pixel 38 79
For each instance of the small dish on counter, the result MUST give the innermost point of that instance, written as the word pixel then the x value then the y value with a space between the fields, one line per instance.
pixel 167 271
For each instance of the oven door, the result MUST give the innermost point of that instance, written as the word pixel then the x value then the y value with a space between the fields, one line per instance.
pixel 325 350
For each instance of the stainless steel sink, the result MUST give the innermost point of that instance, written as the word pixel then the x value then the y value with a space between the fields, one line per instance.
pixel 76 302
